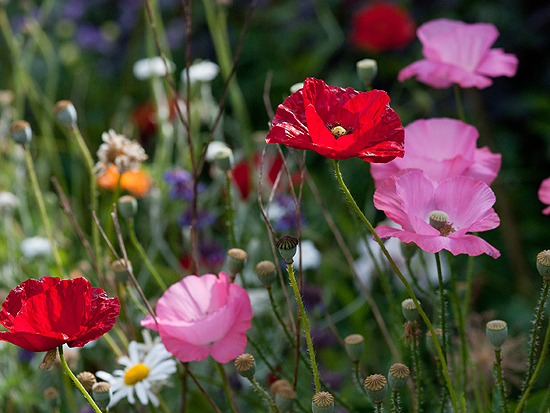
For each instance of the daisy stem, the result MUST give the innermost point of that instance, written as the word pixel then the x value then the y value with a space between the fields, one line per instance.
pixel 43 213
pixel 143 254
pixel 229 210
pixel 305 322
pixel 402 278
pixel 75 380
pixel 458 100
pixel 500 380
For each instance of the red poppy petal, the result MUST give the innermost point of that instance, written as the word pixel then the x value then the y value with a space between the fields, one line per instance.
pixel 33 341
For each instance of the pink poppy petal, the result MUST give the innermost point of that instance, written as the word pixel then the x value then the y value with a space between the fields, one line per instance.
pixel 544 194
pixel 386 199
pixel 183 350
pixel 485 166
pixel 497 63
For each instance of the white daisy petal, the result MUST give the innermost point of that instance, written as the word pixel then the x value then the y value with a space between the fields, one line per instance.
pixel 141 393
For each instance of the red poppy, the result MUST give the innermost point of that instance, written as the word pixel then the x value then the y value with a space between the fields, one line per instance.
pixel 339 123
pixel 381 26
pixel 46 313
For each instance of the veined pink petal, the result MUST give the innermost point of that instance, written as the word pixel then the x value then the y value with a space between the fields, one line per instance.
pixel 485 166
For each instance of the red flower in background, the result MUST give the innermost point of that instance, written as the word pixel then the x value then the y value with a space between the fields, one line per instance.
pixel 46 313
pixel 382 26
pixel 339 123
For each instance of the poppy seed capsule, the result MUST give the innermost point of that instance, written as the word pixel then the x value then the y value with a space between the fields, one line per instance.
pixel 377 388
pixel 430 343
pixel 245 365
pixel 410 312
pixel 543 264
pixel 322 402
pixel 367 69
pixel 398 376
pixel 235 260
pixel 21 132
pixel 87 379
pixel 497 331
pixel 438 219
pixel 101 394
pixel 65 113
pixel 287 247
pixel 284 395
pixel 127 206
pixel 355 344
pixel 121 270
pixel 266 272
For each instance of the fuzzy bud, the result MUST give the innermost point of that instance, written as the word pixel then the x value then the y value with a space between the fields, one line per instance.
pixel 266 272
pixel 398 376
pixel 21 132
pixel 367 69
pixel 127 206
pixel 322 402
pixel 410 312
pixel 543 264
pixel 49 359
pixel 245 365
pixel 287 247
pixel 497 332
pixel 236 258
pixel 355 344
pixel 430 343
pixel 65 113
pixel 377 388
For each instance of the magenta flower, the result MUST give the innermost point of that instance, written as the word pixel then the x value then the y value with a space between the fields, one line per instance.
pixel 442 148
pixel 409 197
pixel 203 315
pixel 458 52
pixel 544 195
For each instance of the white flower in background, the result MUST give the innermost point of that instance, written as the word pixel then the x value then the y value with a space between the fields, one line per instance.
pixel 218 150
pixel 311 257
pixel 144 374
pixel 259 300
pixel 35 246
pixel 8 201
pixel 152 67
pixel 204 71
pixel 120 151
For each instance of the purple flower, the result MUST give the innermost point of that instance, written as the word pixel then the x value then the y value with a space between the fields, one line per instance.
pixel 283 214
pixel 182 184
pixel 204 219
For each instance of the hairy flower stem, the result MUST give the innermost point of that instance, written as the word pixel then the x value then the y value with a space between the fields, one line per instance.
pixel 403 280
pixel 442 311
pixel 525 393
pixel 305 323
pixel 418 373
pixel 378 408
pixel 500 381
pixel 535 336
pixel 270 402
pixel 143 255
pixel 458 100
pixel 395 408
pixel 43 213
pixel 229 211
pixel 75 380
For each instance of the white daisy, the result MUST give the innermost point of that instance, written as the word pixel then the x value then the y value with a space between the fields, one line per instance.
pixel 152 67
pixel 143 373
pixel 203 71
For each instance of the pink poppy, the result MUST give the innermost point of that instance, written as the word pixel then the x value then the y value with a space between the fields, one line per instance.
pixel 203 315
pixel 458 52
pixel 409 197
pixel 442 148
pixel 544 195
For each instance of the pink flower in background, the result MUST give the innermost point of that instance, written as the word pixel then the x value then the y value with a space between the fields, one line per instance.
pixel 458 52
pixel 409 197
pixel 203 315
pixel 544 195
pixel 442 148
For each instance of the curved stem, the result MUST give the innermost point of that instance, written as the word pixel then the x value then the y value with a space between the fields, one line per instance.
pixel 75 380
pixel 403 280
pixel 270 402
pixel 358 380
pixel 305 322
pixel 500 380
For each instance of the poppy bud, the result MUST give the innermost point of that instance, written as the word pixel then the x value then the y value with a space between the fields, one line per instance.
pixel 367 69
pixel 284 395
pixel 287 247
pixel 322 402
pixel 49 359
pixel 235 260
pixel 377 388
pixel 430 343
pixel 398 376
pixel 127 206
pixel 245 365
pixel 410 312
pixel 266 272
pixel 543 264
pixel 497 331
pixel 21 132
pixel 65 113
pixel 355 344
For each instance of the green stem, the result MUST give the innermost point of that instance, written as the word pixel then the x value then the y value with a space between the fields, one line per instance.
pixel 270 402
pixel 43 213
pixel 305 323
pixel 403 280
pixel 500 381
pixel 143 255
pixel 395 402
pixel 227 389
pixel 442 310
pixel 278 316
pixel 114 199
pixel 75 380
pixel 358 380
pixel 416 360
pixel 229 210
pixel 458 100
pixel 469 282
pixel 536 328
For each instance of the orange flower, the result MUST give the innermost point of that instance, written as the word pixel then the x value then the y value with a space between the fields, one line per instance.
pixel 138 183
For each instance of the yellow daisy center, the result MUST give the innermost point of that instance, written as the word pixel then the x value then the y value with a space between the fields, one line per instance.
pixel 135 374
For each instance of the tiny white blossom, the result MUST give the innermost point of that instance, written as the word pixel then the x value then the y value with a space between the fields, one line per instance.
pixel 35 246
pixel 120 151
pixel 144 373
pixel 152 67
pixel 8 201
pixel 311 257
pixel 204 71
